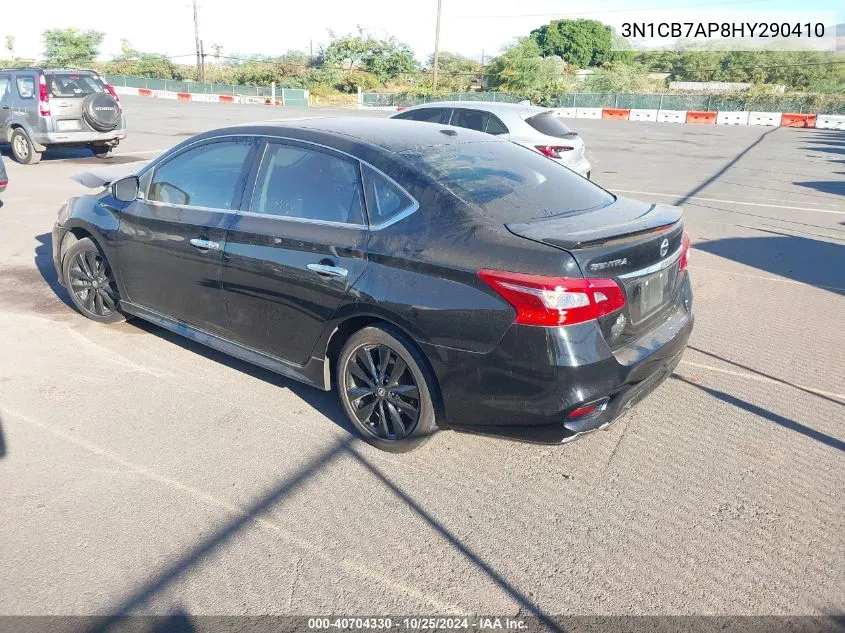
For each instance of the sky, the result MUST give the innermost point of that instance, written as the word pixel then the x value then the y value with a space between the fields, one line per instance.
pixel 267 28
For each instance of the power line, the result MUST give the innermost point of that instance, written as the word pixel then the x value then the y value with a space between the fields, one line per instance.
pixel 606 11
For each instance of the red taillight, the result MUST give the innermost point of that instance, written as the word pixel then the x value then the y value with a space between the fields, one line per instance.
pixel 3 183
pixel 582 411
pixel 111 91
pixel 553 301
pixel 43 97
pixel 682 265
pixel 553 151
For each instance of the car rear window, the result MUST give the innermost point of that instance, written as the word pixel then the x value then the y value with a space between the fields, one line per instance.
pixel 507 182
pixel 548 124
pixel 70 85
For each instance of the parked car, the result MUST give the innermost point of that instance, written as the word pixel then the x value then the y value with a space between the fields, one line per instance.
pixel 536 128
pixel 438 278
pixel 4 179
pixel 42 108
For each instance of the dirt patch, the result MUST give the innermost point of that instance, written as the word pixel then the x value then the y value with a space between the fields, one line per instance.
pixel 24 289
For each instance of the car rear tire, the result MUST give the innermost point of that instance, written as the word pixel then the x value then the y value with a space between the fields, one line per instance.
pixel 102 151
pixel 90 282
pixel 386 389
pixel 23 151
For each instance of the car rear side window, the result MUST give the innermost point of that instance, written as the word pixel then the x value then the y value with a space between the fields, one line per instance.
pixel 495 126
pixel 385 199
pixel 296 182
pixel 205 176
pixel 26 86
pixel 507 182
pixel 5 88
pixel 470 119
pixel 70 85
pixel 547 123
pixel 427 115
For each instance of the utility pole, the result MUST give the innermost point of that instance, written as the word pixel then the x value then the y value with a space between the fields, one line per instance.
pixel 310 51
pixel 481 78
pixel 197 41
pixel 202 62
pixel 437 44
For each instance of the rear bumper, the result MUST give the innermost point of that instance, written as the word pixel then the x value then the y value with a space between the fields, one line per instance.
pixel 77 138
pixel 581 166
pixel 527 386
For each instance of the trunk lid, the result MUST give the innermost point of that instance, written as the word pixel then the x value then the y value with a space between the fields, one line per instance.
pixel 636 244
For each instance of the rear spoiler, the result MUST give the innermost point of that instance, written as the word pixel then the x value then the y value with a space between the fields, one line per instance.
pixel 104 176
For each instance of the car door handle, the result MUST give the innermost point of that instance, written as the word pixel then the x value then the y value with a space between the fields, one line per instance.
pixel 328 271
pixel 205 245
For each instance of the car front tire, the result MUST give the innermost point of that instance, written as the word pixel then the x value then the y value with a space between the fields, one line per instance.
pixel 385 389
pixel 90 282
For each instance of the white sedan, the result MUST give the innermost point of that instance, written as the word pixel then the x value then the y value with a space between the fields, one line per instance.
pixel 533 127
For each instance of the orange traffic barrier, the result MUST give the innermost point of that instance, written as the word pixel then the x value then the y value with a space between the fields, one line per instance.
pixel 798 120
pixel 271 102
pixel 226 99
pixel 617 114
pixel 184 96
pixel 400 108
pixel 708 118
pixel 143 92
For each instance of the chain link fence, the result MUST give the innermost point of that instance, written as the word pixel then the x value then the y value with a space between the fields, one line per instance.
pixel 382 99
pixel 800 103
pixel 289 96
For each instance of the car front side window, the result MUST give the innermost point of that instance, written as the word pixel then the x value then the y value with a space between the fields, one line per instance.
pixel 206 176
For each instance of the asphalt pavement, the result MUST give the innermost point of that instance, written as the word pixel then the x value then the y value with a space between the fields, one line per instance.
pixel 143 473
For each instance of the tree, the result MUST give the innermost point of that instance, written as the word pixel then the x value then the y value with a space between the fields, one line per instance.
pixel 10 45
pixel 385 57
pixel 521 70
pixel 581 43
pixel 70 47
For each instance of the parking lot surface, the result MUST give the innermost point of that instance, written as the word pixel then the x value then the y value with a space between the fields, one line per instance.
pixel 143 473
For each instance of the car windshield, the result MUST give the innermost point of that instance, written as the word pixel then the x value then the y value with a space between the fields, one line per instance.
pixel 507 182
pixel 69 85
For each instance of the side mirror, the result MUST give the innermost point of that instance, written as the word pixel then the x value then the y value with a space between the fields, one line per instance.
pixel 126 189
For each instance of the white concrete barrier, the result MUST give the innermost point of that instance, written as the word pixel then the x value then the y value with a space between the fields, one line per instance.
pixel 764 118
pixel 587 113
pixel 566 113
pixel 830 122
pixel 731 117
pixel 205 98
pixel 165 94
pixel 672 116
pixel 638 114
pixel 126 90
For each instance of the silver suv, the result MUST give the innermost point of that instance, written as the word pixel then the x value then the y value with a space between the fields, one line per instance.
pixel 42 108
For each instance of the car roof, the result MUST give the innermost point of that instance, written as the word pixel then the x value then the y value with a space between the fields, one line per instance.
pixel 496 107
pixel 388 134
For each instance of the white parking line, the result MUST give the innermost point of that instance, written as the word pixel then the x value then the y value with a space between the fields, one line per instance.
pixel 750 204
pixel 742 374
pixel 352 566
pixel 767 278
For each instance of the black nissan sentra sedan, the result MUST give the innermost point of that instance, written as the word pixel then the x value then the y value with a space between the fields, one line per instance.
pixel 437 277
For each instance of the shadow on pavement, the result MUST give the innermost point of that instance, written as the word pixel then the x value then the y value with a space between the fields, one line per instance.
pixel 2 441
pixel 765 375
pixel 284 489
pixel 792 425
pixel 44 264
pixel 813 262
pixel 326 402
pixel 217 539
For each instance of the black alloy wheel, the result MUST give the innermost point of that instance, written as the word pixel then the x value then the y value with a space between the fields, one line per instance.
pixel 384 391
pixel 89 279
